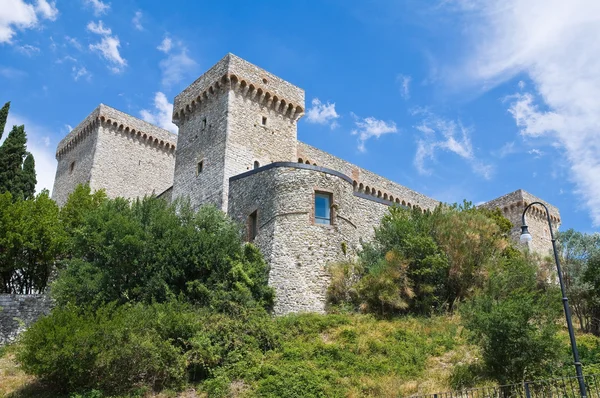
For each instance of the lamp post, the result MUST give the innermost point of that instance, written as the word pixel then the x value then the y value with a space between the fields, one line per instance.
pixel 526 237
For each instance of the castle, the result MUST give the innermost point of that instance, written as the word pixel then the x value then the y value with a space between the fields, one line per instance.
pixel 237 149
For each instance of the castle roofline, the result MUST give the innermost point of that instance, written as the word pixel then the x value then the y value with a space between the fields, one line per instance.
pixel 233 72
pixel 120 120
pixel 522 198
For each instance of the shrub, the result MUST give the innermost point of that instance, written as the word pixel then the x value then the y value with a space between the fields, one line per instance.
pixel 149 250
pixel 514 321
pixel 113 349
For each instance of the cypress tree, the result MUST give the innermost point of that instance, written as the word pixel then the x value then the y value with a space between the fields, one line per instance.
pixel 12 153
pixel 17 166
pixel 3 117
pixel 28 179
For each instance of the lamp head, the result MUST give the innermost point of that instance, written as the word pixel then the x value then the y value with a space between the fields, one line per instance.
pixel 525 235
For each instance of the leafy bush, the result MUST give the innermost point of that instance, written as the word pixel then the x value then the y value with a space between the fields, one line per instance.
pixel 514 321
pixel 421 262
pixel 114 349
pixel 149 250
pixel 31 238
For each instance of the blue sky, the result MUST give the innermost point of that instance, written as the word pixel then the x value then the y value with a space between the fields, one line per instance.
pixel 453 98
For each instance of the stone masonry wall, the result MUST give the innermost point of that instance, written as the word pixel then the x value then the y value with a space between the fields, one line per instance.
pixel 298 250
pixel 366 181
pixel 512 206
pixel 130 167
pixel 234 115
pixel 117 152
pixel 75 167
pixel 18 311
pixel 202 138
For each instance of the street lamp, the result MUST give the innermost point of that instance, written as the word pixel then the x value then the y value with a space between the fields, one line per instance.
pixel 525 238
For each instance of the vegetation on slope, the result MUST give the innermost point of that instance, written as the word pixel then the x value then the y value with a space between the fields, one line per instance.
pixel 155 298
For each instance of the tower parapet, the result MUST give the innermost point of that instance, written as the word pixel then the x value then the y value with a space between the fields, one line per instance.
pixel 117 152
pixel 233 118
pixel 512 206
pixel 250 81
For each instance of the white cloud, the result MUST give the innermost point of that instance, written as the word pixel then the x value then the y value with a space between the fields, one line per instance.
pixel 98 6
pixel 28 50
pixel 74 42
pixel 404 82
pixel 18 14
pixel 47 10
pixel 108 47
pixel 137 20
pixel 162 114
pixel 38 143
pixel 321 113
pixel 98 28
pixel 79 72
pixel 555 42
pixel 507 149
pixel 165 45
pixel 11 73
pixel 521 84
pixel 370 127
pixel 178 65
pixel 445 135
pixel 536 153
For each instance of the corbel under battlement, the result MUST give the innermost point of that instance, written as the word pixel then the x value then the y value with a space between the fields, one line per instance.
pixel 112 118
pixel 246 79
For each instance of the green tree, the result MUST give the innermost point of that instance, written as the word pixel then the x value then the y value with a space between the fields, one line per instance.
pixel 514 321
pixel 149 250
pixel 575 250
pixel 31 239
pixel 592 278
pixel 17 166
pixel 3 117
pixel 470 238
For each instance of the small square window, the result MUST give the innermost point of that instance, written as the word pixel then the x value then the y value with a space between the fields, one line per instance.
pixel 323 208
pixel 264 120
pixel 252 226
pixel 200 167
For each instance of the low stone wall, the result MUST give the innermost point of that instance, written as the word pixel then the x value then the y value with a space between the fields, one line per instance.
pixel 18 311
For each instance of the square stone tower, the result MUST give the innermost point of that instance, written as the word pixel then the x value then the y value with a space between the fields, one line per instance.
pixel 114 151
pixel 512 206
pixel 233 118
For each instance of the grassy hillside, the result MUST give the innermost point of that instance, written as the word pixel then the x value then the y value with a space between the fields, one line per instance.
pixel 325 355
pixel 332 356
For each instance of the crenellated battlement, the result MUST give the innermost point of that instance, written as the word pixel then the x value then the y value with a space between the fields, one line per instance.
pixel 518 200
pixel 245 79
pixel 109 117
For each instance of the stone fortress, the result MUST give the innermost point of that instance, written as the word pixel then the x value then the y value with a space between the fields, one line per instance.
pixel 237 149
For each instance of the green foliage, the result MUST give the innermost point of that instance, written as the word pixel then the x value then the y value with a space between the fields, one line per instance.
pixel 114 349
pixel 3 117
pixel 592 278
pixel 514 321
pixel 577 252
pixel 149 250
pixel 422 262
pixel 31 238
pixel 17 166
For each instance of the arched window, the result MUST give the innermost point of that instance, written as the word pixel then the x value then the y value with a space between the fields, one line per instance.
pixel 256 164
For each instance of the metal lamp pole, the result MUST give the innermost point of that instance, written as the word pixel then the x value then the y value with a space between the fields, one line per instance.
pixel 526 237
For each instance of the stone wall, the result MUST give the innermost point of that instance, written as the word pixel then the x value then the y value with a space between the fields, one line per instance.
pixel 297 249
pixel 17 311
pixel 202 138
pixel 119 153
pixel 234 117
pixel 512 206
pixel 366 181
